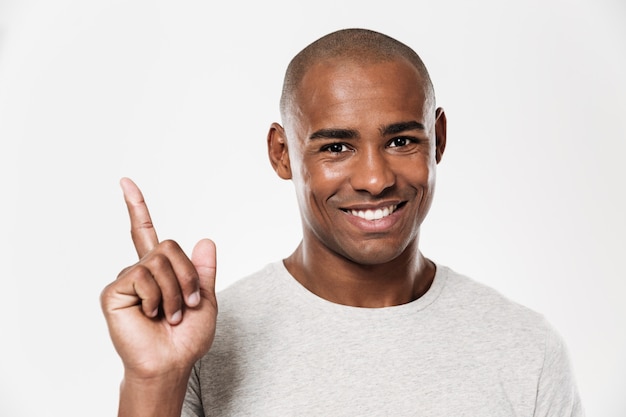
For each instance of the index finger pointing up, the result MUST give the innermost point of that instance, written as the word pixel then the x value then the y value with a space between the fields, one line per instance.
pixel 141 227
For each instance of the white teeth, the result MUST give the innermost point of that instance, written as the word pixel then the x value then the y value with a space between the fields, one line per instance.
pixel 373 214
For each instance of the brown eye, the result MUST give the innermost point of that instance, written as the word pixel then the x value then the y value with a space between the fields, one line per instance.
pixel 398 142
pixel 335 148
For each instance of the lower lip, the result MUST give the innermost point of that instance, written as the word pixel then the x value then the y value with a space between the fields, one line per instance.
pixel 375 226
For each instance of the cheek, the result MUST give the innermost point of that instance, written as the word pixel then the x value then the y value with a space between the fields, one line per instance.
pixel 315 188
pixel 419 172
pixel 321 179
pixel 330 176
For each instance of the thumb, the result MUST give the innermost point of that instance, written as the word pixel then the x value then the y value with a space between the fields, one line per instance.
pixel 203 258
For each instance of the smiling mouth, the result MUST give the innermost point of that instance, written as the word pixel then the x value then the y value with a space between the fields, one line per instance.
pixel 375 214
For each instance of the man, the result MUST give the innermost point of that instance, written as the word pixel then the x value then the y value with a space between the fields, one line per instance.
pixel 356 321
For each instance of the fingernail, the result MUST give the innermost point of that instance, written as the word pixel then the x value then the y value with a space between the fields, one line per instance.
pixel 193 299
pixel 154 313
pixel 176 317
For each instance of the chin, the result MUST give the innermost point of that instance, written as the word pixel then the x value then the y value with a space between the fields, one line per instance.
pixel 373 257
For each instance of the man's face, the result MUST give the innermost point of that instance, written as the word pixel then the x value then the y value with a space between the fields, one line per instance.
pixel 362 152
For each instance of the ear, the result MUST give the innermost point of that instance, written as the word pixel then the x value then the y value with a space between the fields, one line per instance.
pixel 277 151
pixel 440 133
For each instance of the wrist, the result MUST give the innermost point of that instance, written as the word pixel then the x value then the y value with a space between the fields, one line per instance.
pixel 153 396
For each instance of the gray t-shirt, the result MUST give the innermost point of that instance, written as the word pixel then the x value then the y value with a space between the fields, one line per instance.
pixel 461 349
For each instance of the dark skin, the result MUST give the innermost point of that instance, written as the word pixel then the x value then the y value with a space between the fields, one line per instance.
pixel 357 140
pixel 161 315
pixel 361 148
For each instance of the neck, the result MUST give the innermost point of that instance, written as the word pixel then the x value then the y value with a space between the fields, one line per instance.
pixel 342 281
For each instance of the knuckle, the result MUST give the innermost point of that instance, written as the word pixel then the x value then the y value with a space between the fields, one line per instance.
pixel 105 295
pixel 139 272
pixel 139 226
pixel 143 276
pixel 169 245
pixel 158 261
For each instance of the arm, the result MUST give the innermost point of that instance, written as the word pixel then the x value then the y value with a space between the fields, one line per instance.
pixel 161 315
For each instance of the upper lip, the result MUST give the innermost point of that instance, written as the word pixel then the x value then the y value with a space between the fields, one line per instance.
pixel 372 206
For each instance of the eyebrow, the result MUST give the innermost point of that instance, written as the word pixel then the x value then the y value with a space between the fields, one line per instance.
pixel 334 134
pixel 395 128
pixel 392 129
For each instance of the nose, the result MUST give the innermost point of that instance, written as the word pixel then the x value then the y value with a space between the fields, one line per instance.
pixel 372 172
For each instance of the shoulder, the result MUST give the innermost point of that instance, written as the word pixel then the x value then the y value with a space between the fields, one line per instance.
pixel 470 296
pixel 525 341
pixel 255 288
pixel 485 315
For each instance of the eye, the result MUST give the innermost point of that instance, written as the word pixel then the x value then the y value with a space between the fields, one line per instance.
pixel 335 148
pixel 400 141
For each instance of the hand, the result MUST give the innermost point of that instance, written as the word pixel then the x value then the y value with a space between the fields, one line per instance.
pixel 161 311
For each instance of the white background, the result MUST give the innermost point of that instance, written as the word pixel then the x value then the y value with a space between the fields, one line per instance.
pixel 179 96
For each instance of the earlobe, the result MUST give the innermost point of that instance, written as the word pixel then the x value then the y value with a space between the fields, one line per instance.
pixel 440 133
pixel 277 151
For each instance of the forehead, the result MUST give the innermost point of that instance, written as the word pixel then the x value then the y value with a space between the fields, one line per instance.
pixel 345 92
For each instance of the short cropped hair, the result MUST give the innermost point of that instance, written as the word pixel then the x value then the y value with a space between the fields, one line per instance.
pixel 356 45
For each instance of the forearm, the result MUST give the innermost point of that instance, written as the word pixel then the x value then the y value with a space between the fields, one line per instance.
pixel 162 397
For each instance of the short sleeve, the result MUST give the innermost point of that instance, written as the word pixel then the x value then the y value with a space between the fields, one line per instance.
pixel 557 394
